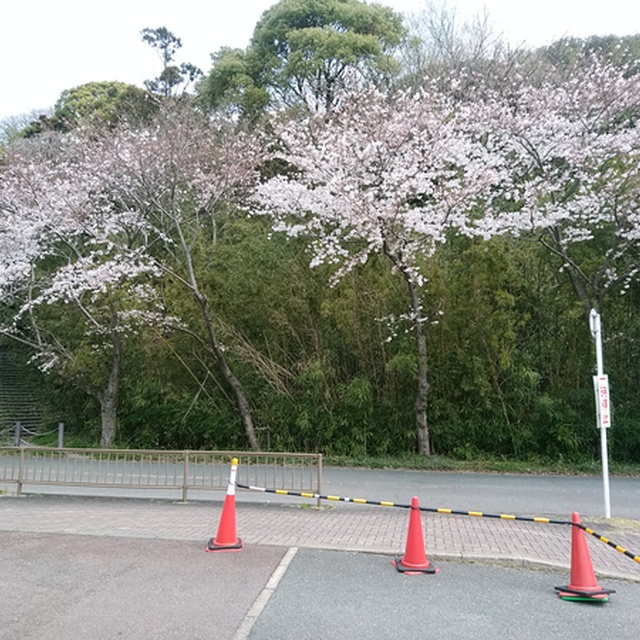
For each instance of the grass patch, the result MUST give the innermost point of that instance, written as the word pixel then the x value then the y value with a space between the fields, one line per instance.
pixel 484 464
pixel 619 525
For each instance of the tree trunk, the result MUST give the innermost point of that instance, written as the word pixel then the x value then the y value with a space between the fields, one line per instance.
pixel 108 397
pixel 108 419
pixel 422 393
pixel 422 390
pixel 229 377
pixel 241 399
pixel 216 349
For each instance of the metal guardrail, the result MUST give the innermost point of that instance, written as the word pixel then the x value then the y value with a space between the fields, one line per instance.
pixel 146 469
pixel 16 435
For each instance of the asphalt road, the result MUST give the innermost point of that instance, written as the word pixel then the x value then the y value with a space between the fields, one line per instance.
pixel 77 587
pixel 547 495
pixel 55 587
pixel 489 492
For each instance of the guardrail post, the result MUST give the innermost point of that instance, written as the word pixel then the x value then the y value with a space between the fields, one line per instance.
pixel 60 435
pixel 17 430
pixel 319 479
pixel 185 475
pixel 20 471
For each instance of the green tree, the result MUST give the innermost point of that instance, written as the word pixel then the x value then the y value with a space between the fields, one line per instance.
pixel 231 85
pixel 94 104
pixel 65 270
pixel 103 102
pixel 172 75
pixel 308 52
pixel 12 128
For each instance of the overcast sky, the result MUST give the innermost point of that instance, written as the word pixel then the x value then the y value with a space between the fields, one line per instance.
pixel 47 46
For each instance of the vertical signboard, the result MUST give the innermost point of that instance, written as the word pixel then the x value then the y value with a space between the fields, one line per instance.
pixel 603 404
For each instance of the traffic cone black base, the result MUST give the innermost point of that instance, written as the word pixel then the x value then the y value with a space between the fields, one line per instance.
pixel 212 546
pixel 397 563
pixel 564 595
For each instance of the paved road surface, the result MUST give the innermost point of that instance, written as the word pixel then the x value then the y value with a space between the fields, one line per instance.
pixel 65 587
pixel 360 598
pixel 490 492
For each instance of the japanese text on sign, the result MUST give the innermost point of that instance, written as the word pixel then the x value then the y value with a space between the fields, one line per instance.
pixel 603 402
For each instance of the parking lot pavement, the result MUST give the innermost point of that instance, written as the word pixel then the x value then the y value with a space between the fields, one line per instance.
pixel 105 588
pixel 355 596
pixel 75 587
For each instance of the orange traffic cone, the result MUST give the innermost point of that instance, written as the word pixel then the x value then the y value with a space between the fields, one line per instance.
pixel 415 557
pixel 226 539
pixel 584 586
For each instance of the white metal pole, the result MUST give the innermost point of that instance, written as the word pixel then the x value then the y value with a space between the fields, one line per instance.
pixel 596 331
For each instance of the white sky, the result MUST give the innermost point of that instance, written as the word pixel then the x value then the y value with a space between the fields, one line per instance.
pixel 47 46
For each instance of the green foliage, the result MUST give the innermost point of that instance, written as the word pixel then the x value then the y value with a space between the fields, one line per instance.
pixel 231 85
pixel 95 103
pixel 306 48
pixel 510 353
pixel 306 53
pixel 166 44
pixel 511 360
pixel 511 357
pixel 11 129
pixel 103 103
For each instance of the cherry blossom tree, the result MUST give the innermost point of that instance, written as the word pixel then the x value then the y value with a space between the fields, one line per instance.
pixel 68 269
pixel 100 217
pixel 385 175
pixel 574 147
pixel 178 175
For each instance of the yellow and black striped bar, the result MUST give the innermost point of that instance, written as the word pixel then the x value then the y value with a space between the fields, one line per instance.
pixel 316 496
pixel 476 514
pixel 613 545
pixel 501 516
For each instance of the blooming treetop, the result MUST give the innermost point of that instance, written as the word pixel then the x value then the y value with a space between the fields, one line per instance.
pixel 177 176
pixel 92 218
pixel 84 279
pixel 188 165
pixel 93 201
pixel 575 151
pixel 63 241
pixel 384 175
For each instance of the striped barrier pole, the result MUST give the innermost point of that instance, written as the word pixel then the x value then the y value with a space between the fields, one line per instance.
pixel 456 512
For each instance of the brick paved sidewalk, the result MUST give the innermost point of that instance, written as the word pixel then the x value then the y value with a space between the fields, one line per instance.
pixel 343 527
